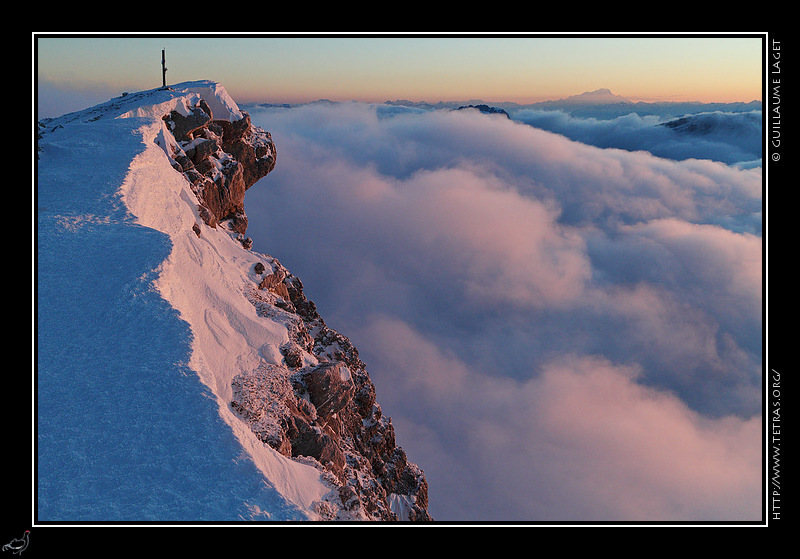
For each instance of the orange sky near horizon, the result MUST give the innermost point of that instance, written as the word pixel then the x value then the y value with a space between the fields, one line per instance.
pixel 375 69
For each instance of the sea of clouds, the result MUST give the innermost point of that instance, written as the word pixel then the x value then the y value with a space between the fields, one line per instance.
pixel 559 331
pixel 733 138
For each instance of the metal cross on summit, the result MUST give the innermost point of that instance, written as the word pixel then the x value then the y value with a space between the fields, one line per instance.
pixel 163 70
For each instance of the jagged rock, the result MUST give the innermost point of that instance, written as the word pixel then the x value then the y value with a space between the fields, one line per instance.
pixel 246 242
pixel 330 387
pixel 312 440
pixel 221 160
pixel 318 406
pixel 330 414
pixel 292 355
pixel 274 282
pixel 184 162
pixel 201 149
pixel 207 216
pixel 262 398
pixel 182 126
pixel 349 498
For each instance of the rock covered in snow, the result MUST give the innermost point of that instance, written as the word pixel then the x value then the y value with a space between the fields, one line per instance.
pixel 221 158
pixel 206 136
pixel 321 406
pixel 307 397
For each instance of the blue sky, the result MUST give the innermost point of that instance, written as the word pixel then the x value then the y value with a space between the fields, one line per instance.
pixel 377 68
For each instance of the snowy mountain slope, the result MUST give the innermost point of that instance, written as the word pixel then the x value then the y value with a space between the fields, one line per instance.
pixel 143 323
pixel 595 98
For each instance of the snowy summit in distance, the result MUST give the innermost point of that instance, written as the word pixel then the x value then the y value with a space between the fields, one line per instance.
pixel 601 96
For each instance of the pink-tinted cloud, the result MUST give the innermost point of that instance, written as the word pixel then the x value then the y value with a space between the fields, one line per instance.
pixel 582 441
pixel 726 266
pixel 727 137
pixel 472 229
pixel 559 331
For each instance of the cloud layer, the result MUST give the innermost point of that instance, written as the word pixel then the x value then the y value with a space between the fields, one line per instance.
pixel 559 332
pixel 732 138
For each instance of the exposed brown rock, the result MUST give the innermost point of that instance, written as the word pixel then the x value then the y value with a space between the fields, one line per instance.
pixel 330 387
pixel 326 408
pixel 319 405
pixel 221 160
pixel 274 282
pixel 183 126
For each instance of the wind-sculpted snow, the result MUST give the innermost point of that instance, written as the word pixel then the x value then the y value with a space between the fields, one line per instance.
pixel 125 430
pixel 159 347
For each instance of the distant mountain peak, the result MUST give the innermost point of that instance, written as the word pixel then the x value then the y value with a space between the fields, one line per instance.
pixel 602 96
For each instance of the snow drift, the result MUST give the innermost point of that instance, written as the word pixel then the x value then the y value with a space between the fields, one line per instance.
pixel 143 323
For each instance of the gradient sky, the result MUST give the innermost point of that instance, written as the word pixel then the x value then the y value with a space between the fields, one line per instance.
pixel 429 68
pixel 557 331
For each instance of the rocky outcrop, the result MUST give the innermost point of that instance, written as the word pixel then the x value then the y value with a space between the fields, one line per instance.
pixel 221 159
pixel 319 406
pixel 312 399
pixel 484 109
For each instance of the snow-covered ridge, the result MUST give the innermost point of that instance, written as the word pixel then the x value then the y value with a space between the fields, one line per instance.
pixel 239 324
pixel 155 103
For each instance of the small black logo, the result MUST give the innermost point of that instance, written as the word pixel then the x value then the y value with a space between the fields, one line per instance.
pixel 17 546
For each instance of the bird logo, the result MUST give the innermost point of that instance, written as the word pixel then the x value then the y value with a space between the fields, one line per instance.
pixel 18 545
